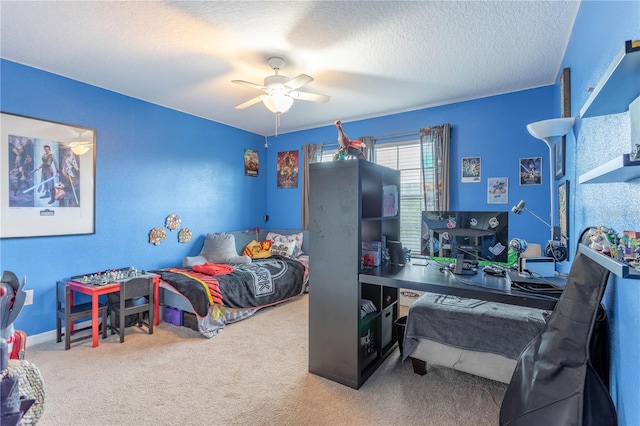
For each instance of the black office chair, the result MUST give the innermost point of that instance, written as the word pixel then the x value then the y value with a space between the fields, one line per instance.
pixel 135 297
pixel 70 314
pixel 558 378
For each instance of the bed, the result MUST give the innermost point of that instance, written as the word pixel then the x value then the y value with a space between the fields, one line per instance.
pixel 474 336
pixel 223 285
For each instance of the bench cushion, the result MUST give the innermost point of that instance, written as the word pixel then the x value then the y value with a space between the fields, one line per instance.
pixel 472 324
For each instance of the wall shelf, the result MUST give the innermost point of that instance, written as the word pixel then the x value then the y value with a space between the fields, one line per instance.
pixel 619 85
pixel 620 169
pixel 620 269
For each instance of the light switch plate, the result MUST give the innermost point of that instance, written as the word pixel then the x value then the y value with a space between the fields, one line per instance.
pixel 28 300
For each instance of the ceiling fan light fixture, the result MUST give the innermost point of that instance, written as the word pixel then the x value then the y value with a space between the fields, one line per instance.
pixel 79 148
pixel 278 103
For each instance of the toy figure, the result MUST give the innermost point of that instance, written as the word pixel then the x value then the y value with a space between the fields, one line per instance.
pixel 601 239
pixel 348 147
pixel 12 296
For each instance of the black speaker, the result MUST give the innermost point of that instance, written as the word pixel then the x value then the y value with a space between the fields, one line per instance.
pixel 395 252
pixel 556 250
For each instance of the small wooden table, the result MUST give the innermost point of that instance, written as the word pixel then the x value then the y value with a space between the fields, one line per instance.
pixel 95 291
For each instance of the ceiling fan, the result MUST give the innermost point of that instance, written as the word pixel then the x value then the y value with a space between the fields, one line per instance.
pixel 280 90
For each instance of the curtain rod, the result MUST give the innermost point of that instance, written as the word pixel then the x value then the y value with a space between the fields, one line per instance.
pixel 377 138
pixel 397 135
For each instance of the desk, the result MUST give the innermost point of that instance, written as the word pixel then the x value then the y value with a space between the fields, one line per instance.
pixel 426 275
pixel 429 278
pixel 95 291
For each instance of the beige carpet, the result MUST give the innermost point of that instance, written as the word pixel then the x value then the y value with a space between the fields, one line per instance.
pixel 254 372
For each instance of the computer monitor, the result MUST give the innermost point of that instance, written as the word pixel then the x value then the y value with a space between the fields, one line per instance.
pixel 469 235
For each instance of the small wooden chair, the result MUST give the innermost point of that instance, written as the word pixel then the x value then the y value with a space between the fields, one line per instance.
pixel 135 297
pixel 70 314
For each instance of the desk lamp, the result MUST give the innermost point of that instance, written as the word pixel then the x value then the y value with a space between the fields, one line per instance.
pixel 555 248
pixel 548 131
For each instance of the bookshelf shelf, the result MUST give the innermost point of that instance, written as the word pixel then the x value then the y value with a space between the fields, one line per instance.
pixel 620 269
pixel 616 90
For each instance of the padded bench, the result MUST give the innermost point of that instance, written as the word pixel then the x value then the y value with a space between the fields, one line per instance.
pixel 474 336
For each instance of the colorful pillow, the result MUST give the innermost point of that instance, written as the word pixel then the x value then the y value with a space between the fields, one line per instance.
pixel 283 248
pixel 258 250
pixel 296 238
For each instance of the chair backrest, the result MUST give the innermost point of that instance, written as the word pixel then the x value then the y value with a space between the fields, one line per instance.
pixel 137 287
pixel 63 295
pixel 554 381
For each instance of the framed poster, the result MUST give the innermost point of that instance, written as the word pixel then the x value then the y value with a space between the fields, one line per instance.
pixel 531 171
pixel 563 209
pixel 471 169
pixel 559 156
pixel 498 190
pixel 47 185
pixel 250 162
pixel 287 169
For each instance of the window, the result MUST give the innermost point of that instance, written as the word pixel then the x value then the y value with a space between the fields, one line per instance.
pixel 405 156
pixel 327 152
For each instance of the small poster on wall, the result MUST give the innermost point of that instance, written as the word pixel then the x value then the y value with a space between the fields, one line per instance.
pixel 531 171
pixel 287 169
pixel 250 162
pixel 498 190
pixel 471 168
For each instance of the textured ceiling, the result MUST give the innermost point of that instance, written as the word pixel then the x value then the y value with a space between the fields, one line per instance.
pixel 371 58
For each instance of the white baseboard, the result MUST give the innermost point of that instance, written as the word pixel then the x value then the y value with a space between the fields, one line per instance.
pixel 47 336
pixel 50 336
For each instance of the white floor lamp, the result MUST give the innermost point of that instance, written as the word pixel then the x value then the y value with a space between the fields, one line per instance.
pixel 548 131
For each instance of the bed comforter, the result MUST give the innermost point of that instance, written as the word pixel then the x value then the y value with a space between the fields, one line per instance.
pixel 262 283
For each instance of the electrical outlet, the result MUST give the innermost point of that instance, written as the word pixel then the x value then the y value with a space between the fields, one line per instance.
pixel 28 300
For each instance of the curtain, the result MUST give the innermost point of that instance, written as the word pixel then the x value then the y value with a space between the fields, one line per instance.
pixel 435 145
pixel 369 148
pixel 310 154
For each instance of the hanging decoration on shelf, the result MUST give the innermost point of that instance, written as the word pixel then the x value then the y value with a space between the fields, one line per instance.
pixel 173 222
pixel 157 235
pixel 348 148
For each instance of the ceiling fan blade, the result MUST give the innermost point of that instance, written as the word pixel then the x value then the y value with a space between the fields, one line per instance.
pixel 247 83
pixel 249 102
pixel 305 96
pixel 298 81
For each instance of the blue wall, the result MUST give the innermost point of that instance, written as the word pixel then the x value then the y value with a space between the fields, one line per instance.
pixel 598 35
pixel 492 128
pixel 152 162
